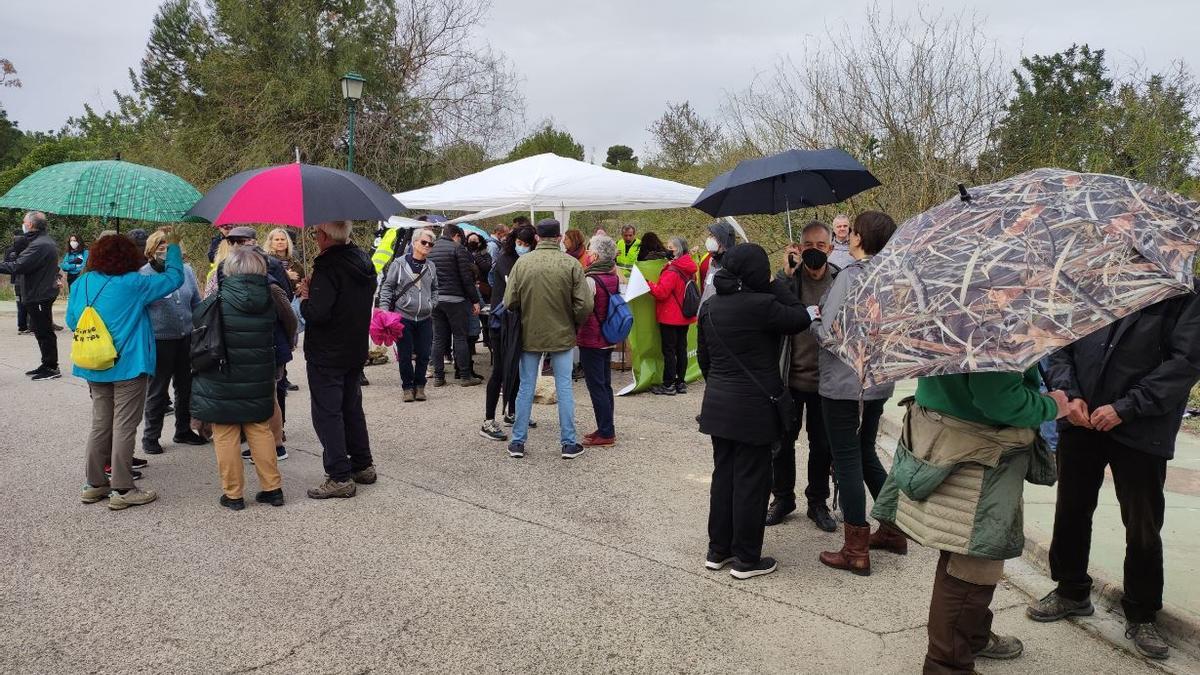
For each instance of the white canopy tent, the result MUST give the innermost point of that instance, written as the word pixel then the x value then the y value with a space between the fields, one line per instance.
pixel 548 182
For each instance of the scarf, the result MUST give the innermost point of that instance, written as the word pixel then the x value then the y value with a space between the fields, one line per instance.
pixel 600 267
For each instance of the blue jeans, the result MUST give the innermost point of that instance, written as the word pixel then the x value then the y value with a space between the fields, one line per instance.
pixel 418 339
pixel 561 362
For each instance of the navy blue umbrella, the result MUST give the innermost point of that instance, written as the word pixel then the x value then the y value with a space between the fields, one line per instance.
pixel 790 180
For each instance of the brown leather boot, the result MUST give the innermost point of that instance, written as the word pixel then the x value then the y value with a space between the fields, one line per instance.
pixel 888 538
pixel 855 555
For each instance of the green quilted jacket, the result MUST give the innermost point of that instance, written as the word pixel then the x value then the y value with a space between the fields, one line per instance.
pixel 244 391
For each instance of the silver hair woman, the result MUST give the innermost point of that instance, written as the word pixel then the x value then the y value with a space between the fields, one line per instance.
pixel 603 249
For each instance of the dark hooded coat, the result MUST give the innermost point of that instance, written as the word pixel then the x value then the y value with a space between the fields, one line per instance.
pixel 745 322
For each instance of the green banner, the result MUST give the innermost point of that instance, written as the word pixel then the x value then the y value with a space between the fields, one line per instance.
pixel 645 342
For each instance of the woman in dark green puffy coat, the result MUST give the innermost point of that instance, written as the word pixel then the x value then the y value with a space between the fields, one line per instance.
pixel 239 398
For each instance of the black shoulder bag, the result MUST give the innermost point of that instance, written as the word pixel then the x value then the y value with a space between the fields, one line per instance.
pixel 404 289
pixel 785 409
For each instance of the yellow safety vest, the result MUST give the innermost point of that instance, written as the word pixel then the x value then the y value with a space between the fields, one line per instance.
pixel 383 253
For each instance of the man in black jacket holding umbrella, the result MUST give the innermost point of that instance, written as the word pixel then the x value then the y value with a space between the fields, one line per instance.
pixel 336 305
pixel 1129 385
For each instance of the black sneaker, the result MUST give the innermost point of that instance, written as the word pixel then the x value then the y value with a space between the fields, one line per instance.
pixel 46 374
pixel 272 497
pixel 819 514
pixel 439 381
pixel 516 450
pixel 190 438
pixel 293 387
pixel 280 452
pixel 764 565
pixel 232 504
pixel 510 420
pixel 660 390
pixel 35 371
pixel 572 451
pixel 713 561
pixel 151 448
pixel 169 410
pixel 779 510
pixel 139 463
pixel 681 388
pixel 246 455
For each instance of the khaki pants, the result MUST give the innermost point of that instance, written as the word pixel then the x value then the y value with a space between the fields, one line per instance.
pixel 116 411
pixel 227 442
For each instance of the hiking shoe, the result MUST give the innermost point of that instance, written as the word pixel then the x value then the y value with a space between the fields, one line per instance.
pixel 572 451
pixel 190 438
pixel 1054 607
pixel 510 420
pixel 152 448
pixel 1147 640
pixel 135 474
pixel 365 476
pixel 742 570
pixel 439 381
pixel 492 431
pixel 598 441
pixel 681 388
pixel 779 510
pixel 408 396
pixel 46 374
pixel 280 453
pixel 1001 647
pixel 134 497
pixel 246 455
pixel 516 450
pixel 272 497
pixel 660 390
pixel 91 495
pixel 713 561
pixel 232 504
pixel 332 488
pixel 419 394
pixel 139 463
pixel 819 514
pixel 470 381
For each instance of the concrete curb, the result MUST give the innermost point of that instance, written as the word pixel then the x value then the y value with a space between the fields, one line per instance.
pixel 1182 629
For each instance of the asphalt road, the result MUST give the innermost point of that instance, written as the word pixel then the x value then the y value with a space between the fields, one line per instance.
pixel 458 559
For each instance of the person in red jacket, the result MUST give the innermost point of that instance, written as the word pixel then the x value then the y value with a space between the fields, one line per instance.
pixel 668 294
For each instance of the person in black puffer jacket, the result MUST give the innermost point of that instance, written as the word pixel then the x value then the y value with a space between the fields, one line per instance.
pixel 458 300
pixel 336 305
pixel 240 398
pixel 751 315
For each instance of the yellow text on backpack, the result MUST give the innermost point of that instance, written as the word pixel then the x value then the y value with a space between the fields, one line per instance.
pixel 92 347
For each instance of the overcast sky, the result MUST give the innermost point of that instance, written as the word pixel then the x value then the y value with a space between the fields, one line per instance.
pixel 602 70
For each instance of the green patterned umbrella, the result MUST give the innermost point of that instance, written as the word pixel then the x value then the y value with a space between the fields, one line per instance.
pixel 106 188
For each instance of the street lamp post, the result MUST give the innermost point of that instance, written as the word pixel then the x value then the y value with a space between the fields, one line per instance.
pixel 352 88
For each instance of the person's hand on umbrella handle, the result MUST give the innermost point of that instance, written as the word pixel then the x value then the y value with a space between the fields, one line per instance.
pixel 173 235
pixel 1077 413
pixel 793 260
pixel 814 312
pixel 1105 418
pixel 1061 402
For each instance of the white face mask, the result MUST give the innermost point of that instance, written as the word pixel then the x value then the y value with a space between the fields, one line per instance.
pixel 74 244
pixel 712 245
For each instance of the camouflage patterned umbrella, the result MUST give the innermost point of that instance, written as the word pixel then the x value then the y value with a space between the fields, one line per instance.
pixel 1027 266
pixel 106 188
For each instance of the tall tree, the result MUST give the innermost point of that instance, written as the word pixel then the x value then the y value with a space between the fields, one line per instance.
pixel 683 138
pixel 621 158
pixel 546 138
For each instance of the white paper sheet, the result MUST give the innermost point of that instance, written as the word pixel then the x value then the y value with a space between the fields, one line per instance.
pixel 637 284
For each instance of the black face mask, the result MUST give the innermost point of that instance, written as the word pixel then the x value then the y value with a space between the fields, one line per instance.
pixel 814 259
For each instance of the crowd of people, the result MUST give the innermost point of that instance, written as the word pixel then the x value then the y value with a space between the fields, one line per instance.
pixel 538 297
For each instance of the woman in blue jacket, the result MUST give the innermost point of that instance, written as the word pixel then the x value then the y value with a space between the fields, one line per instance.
pixel 117 291
pixel 75 259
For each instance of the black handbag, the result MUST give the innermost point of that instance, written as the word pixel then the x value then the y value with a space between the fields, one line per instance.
pixel 785 407
pixel 208 338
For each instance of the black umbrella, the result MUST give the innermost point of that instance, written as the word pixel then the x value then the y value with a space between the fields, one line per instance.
pixel 790 180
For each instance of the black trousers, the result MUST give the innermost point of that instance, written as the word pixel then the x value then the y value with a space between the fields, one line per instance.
pixel 852 440
pixel 741 486
pixel 451 322
pixel 338 419
pixel 496 383
pixel 783 463
pixel 1138 478
pixel 675 353
pixel 22 316
pixel 172 363
pixel 41 321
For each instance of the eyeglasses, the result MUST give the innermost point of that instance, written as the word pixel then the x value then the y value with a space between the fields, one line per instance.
pixel 424 242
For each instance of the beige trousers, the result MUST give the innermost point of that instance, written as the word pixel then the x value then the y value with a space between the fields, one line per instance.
pixel 228 444
pixel 116 411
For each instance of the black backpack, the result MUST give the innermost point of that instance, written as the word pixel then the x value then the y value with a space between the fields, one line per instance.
pixel 690 305
pixel 208 337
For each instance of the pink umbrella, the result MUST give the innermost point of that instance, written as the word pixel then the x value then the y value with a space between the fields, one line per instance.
pixel 386 327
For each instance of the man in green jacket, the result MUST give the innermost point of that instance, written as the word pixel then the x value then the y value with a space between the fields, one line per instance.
pixel 548 288
pixel 968 445
pixel 628 247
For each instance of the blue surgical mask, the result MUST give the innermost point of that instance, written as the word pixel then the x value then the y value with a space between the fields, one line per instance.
pixel 522 250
